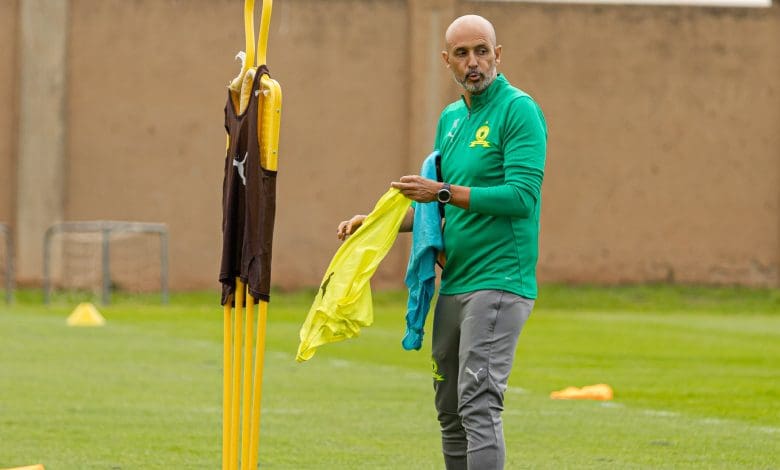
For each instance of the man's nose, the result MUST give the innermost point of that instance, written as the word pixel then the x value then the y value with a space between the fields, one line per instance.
pixel 472 62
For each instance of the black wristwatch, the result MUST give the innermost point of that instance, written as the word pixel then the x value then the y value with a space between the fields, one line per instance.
pixel 444 195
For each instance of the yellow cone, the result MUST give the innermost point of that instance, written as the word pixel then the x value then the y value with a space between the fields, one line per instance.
pixel 85 314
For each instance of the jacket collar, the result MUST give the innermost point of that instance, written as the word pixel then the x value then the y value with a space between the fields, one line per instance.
pixel 481 100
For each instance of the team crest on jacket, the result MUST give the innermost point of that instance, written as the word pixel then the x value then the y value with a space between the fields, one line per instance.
pixel 480 138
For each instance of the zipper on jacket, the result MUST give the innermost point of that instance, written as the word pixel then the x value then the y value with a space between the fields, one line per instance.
pixel 468 115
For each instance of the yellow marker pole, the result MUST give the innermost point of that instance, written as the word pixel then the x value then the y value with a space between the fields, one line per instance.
pixel 247 391
pixel 227 395
pixel 236 414
pixel 249 35
pixel 237 336
pixel 268 136
pixel 265 24
pixel 257 391
pixel 270 122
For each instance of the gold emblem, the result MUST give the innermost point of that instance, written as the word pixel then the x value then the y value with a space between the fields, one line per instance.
pixel 481 137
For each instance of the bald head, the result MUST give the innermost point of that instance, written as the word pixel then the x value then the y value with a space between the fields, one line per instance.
pixel 470 26
pixel 472 53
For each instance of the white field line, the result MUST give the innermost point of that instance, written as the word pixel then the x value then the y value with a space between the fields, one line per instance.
pixel 283 411
pixel 704 422
pixel 769 429
pixel 339 363
pixel 608 405
pixel 612 404
pixel 661 413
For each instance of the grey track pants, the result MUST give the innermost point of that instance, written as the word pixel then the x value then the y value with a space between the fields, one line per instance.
pixel 474 340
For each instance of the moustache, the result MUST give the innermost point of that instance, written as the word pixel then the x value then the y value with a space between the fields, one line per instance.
pixel 466 76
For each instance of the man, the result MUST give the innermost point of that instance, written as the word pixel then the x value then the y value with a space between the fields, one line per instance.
pixel 493 146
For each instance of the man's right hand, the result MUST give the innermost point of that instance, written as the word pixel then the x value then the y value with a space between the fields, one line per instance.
pixel 348 227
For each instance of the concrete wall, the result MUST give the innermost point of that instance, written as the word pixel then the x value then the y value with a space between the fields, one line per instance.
pixel 40 188
pixel 664 159
pixel 146 138
pixel 664 156
pixel 146 112
pixel 344 126
pixel 9 13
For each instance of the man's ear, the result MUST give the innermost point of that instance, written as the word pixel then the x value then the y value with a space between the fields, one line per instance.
pixel 445 56
pixel 498 54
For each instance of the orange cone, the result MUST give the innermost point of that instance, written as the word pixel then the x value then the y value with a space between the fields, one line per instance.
pixel 588 392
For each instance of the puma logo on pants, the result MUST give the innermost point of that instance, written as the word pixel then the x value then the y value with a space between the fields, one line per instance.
pixel 475 374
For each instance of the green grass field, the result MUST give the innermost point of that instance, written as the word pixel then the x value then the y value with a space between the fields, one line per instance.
pixel 696 374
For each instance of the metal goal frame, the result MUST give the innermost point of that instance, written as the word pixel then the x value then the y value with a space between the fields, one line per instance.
pixel 106 228
pixel 9 262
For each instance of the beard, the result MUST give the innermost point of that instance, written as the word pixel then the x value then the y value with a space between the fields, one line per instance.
pixel 480 85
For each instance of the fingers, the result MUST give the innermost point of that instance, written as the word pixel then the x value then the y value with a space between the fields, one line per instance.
pixel 407 185
pixel 345 230
pixel 407 181
pixel 348 227
pixel 416 188
pixel 341 231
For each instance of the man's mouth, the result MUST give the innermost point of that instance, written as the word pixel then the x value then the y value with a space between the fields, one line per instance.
pixel 474 76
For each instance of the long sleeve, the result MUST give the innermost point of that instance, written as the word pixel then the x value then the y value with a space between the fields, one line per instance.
pixel 524 145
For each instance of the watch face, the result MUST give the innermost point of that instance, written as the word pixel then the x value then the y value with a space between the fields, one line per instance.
pixel 444 196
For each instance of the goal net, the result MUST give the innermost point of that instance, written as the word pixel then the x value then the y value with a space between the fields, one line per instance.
pixel 105 257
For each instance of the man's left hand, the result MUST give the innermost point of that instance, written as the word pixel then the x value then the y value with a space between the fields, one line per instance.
pixel 417 188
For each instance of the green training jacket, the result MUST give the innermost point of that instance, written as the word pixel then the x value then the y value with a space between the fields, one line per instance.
pixel 497 148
